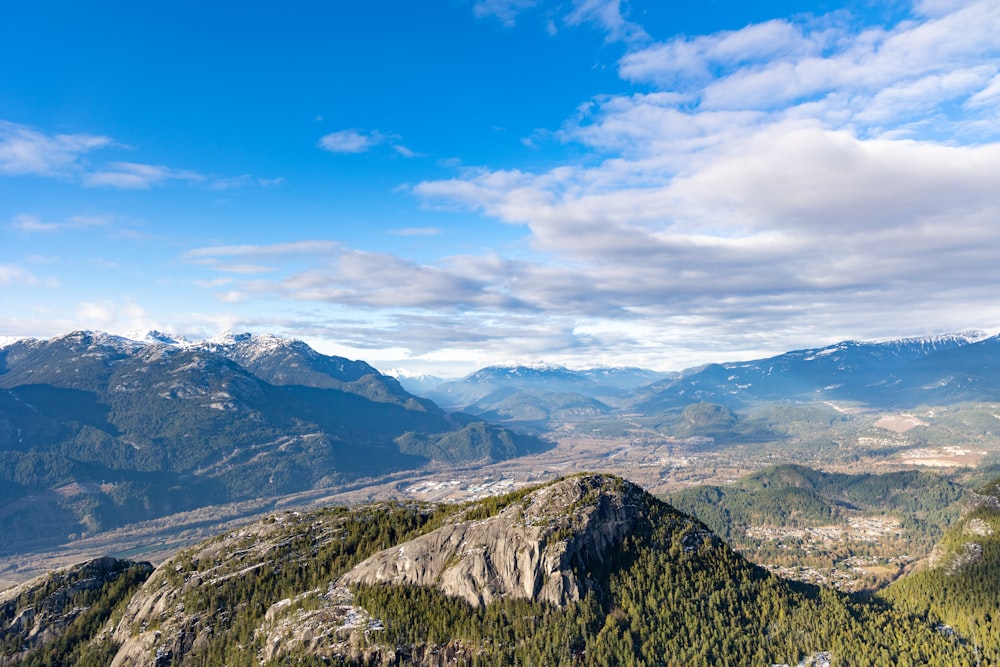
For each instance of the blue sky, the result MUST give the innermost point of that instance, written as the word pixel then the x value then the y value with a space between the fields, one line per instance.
pixel 438 186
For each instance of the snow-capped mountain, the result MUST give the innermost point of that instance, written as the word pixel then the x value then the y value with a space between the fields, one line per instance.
pixel 141 428
pixel 154 337
pixel 888 372
pixel 420 384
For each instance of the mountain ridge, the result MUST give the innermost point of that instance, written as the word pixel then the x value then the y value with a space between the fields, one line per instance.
pixel 146 428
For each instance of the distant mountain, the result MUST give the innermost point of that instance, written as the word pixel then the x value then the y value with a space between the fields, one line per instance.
pixel 540 408
pixel 481 391
pixel 897 372
pixel 584 570
pixel 419 384
pixel 7 340
pixel 103 430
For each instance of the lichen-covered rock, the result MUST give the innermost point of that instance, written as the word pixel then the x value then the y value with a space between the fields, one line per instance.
pixel 537 548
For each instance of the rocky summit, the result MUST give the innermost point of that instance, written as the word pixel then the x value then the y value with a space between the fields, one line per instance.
pixel 535 549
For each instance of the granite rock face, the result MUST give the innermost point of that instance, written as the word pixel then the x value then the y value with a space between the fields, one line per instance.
pixel 40 612
pixel 542 547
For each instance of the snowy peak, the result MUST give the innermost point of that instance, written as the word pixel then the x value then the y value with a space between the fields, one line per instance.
pixel 902 371
pixel 252 347
pixel 502 372
pixel 154 337
pixel 96 340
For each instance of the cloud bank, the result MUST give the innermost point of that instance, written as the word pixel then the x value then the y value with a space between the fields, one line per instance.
pixel 790 181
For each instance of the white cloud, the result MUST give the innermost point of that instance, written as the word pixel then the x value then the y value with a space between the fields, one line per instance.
pixel 114 316
pixel 504 10
pixel 13 276
pixel 988 96
pixel 686 61
pixel 609 16
pixel 24 150
pixel 310 247
pixel 134 176
pixel 787 180
pixel 405 152
pixel 32 223
pixel 351 141
pixel 95 313
pixel 417 231
pixel 864 73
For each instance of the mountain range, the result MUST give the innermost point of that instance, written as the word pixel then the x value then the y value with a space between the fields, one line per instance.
pixel 99 430
pixel 896 373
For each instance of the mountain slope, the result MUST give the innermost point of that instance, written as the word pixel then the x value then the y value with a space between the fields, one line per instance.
pixel 961 588
pixel 110 430
pixel 283 362
pixel 586 569
pixel 852 531
pixel 880 373
pixel 49 620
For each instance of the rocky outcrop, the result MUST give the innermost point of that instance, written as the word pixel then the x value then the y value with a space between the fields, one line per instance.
pixel 543 547
pixel 963 544
pixel 161 624
pixel 41 611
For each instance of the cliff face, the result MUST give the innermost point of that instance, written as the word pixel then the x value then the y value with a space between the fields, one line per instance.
pixel 45 611
pixel 585 570
pixel 542 547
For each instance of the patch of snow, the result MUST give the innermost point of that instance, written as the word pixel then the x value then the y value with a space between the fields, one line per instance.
pixel 153 337
pixel 9 340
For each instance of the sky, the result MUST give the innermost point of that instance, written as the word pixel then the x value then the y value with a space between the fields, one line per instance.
pixel 439 186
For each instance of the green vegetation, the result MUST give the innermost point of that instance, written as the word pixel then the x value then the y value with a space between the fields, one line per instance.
pixel 671 595
pixel 478 441
pixel 918 506
pixel 77 603
pixel 308 553
pixel 962 590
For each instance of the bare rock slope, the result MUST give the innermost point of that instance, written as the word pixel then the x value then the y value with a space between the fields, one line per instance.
pixel 537 548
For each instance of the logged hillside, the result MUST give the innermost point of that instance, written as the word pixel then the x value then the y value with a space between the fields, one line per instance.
pixel 99 430
pixel 588 569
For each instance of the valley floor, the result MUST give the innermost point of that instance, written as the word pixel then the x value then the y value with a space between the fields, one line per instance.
pixel 659 464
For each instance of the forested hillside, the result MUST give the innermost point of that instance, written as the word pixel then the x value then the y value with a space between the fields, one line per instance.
pixel 853 531
pixel 98 431
pixel 658 588
pixel 961 588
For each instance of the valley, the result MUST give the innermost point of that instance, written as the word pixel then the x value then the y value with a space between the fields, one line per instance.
pixel 818 475
pixel 864 548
